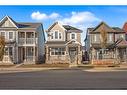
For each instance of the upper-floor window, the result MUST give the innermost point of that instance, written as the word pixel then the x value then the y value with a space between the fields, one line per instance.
pixel 51 35
pixel 73 35
pixel 3 34
pixel 60 36
pixel 56 34
pixel 10 35
pixel 95 37
pixel 110 37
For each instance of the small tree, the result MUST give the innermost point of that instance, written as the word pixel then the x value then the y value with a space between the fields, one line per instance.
pixel 2 46
pixel 103 33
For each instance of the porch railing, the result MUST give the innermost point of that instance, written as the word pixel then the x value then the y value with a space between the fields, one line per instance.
pixel 23 41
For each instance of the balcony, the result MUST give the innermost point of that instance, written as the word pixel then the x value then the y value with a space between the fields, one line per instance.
pixel 27 41
pixel 8 41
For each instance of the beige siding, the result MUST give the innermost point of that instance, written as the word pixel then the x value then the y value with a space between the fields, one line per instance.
pixel 7 23
pixel 57 27
pixel 78 37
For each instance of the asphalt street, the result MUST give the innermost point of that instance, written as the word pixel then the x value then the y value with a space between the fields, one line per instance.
pixel 69 79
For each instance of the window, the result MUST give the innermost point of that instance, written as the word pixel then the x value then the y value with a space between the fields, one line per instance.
pixel 51 35
pixel 95 37
pixel 60 36
pixel 10 35
pixel 110 37
pixel 3 34
pixel 56 34
pixel 57 51
pixel 73 36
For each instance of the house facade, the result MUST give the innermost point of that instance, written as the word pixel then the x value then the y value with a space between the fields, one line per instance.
pixel 115 47
pixel 63 44
pixel 24 41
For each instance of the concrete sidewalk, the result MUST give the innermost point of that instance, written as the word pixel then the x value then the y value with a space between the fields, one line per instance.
pixel 12 70
pixel 89 68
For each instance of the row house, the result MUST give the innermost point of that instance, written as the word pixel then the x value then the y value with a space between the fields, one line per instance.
pixel 24 41
pixel 116 44
pixel 63 44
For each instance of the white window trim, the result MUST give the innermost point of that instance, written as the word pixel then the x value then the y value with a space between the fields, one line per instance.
pixel 95 38
pixel 71 36
pixel 57 55
pixel 110 37
pixel 53 32
pixel 4 33
pixel 12 35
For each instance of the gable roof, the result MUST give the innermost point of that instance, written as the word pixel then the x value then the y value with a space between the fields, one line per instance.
pixel 21 25
pixel 54 25
pixel 103 23
pixel 65 27
pixel 10 19
pixel 112 29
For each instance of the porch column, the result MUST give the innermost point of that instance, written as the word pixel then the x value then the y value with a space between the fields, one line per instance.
pixel 17 58
pixel 47 54
pixel 25 54
pixel 34 55
pixel 67 54
pixel 79 55
pixel 34 38
pixel 116 56
pixel 25 38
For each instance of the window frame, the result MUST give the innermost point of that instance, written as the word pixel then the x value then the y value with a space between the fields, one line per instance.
pixel 57 51
pixel 72 34
pixel 12 35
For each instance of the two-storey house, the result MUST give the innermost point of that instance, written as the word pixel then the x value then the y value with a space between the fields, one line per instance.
pixel 63 44
pixel 24 41
pixel 115 45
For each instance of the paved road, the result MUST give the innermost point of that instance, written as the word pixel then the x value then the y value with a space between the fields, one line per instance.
pixel 64 79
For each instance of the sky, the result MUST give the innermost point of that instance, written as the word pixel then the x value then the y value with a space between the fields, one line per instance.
pixel 80 16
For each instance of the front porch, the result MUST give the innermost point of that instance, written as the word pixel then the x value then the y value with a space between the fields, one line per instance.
pixel 109 56
pixel 27 55
pixel 66 53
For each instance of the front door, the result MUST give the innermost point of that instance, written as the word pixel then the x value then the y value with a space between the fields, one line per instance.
pixel 72 54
